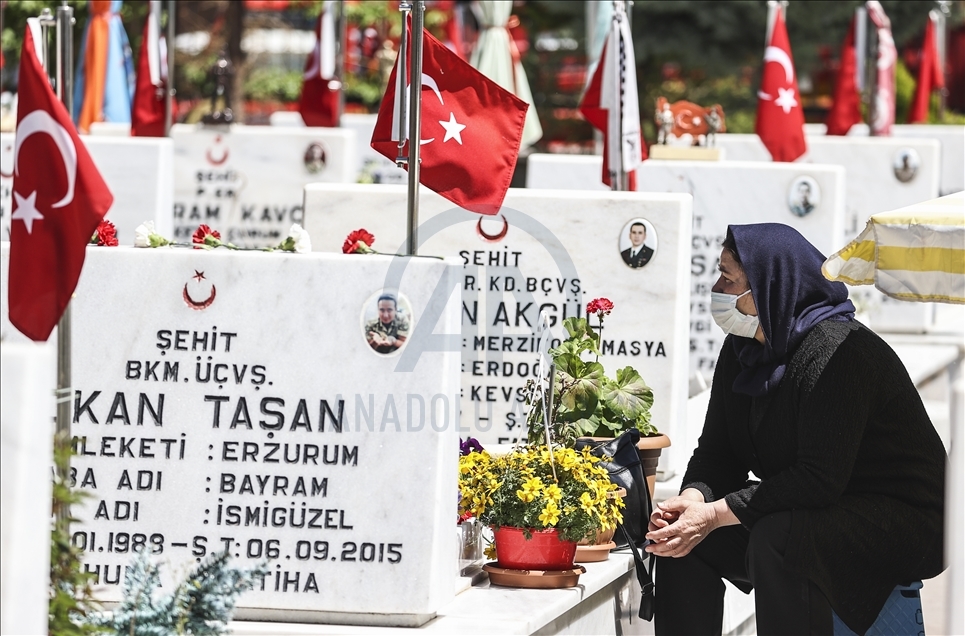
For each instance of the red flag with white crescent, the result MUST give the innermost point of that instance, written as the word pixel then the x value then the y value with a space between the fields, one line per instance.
pixel 59 197
pixel 780 118
pixel 471 130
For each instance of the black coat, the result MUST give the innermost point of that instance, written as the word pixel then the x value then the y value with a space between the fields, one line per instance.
pixel 641 259
pixel 844 442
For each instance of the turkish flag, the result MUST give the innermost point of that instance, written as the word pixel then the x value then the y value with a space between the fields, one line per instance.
pixel 59 198
pixel 846 108
pixel 147 112
pixel 471 130
pixel 930 76
pixel 318 103
pixel 611 105
pixel 780 118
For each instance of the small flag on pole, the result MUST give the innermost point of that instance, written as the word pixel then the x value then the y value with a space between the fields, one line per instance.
pixel 471 130
pixel 780 118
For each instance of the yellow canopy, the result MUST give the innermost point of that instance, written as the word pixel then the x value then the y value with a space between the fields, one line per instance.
pixel 913 253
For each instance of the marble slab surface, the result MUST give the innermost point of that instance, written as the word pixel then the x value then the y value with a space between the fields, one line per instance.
pixel 872 185
pixel 546 250
pixel 138 170
pixel 246 181
pixel 951 138
pixel 371 166
pixel 27 455
pixel 725 192
pixel 231 400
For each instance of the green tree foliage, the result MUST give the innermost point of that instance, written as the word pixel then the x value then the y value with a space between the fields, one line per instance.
pixel 71 598
pixel 202 604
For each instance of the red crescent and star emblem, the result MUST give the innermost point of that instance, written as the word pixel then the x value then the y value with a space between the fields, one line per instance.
pixel 493 238
pixel 191 302
pixel 223 150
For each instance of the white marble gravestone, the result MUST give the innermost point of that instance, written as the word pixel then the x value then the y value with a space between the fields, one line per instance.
pixel 138 170
pixel 246 181
pixel 726 192
pixel 27 451
pixel 873 186
pixel 237 405
pixel 951 138
pixel 544 251
pixel 372 166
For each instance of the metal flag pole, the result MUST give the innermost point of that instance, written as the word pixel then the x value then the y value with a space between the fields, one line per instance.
pixel 169 51
pixel 65 92
pixel 401 81
pixel 415 125
pixel 340 24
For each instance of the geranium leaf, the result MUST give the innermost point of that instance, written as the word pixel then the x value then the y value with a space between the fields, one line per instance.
pixel 582 387
pixel 629 396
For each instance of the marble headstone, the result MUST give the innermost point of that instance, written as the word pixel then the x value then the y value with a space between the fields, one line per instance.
pixel 25 406
pixel 246 181
pixel 138 170
pixel 726 192
pixel 238 406
pixel 876 182
pixel 544 251
pixel 951 138
pixel 372 167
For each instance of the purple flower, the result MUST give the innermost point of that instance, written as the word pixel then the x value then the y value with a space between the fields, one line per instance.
pixel 469 446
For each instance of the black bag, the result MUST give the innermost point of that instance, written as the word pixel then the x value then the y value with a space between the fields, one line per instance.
pixel 620 458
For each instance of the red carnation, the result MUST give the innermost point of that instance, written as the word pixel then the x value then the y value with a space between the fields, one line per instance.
pixel 204 235
pixel 106 234
pixel 358 242
pixel 599 306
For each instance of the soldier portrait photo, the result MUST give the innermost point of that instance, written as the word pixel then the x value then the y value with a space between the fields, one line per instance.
pixel 638 242
pixel 386 321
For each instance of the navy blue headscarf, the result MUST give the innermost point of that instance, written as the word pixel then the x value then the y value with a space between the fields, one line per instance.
pixel 791 294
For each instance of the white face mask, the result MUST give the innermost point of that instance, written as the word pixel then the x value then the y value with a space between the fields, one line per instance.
pixel 723 307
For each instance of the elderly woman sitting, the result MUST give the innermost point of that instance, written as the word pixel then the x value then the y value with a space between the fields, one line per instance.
pixel 852 473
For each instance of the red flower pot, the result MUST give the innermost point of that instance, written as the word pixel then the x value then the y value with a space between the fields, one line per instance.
pixel 544 551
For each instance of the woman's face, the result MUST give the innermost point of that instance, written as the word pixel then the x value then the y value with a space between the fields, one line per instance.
pixel 733 281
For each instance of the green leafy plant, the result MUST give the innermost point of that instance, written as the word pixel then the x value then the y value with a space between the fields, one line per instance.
pixel 585 401
pixel 202 604
pixel 71 598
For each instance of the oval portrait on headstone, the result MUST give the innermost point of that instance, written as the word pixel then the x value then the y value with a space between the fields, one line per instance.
pixel 638 243
pixel 804 196
pixel 315 158
pixel 386 321
pixel 906 164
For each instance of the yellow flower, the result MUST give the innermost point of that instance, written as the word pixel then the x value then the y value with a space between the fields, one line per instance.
pixel 490 551
pixel 526 496
pixel 553 492
pixel 586 502
pixel 533 485
pixel 550 514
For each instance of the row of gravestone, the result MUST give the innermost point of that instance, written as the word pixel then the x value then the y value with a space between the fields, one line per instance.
pixel 195 403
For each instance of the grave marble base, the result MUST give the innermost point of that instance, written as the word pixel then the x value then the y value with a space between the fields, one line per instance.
pixel 27 457
pixel 138 170
pixel 546 251
pixel 238 405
